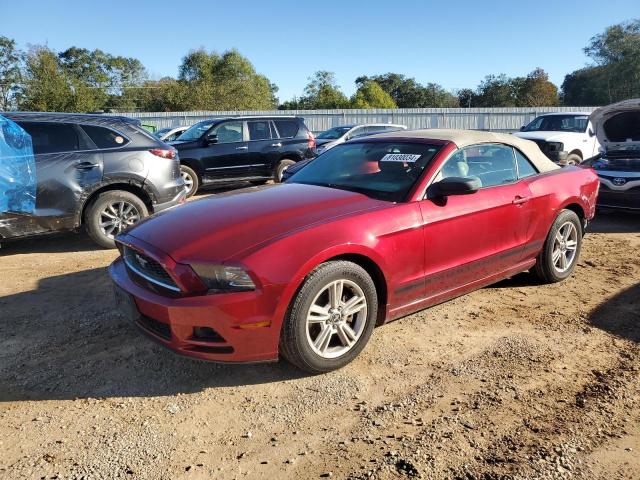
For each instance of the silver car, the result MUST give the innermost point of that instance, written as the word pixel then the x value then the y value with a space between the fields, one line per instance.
pixel 337 135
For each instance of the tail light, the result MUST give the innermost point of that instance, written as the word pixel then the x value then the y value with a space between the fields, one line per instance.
pixel 311 140
pixel 169 153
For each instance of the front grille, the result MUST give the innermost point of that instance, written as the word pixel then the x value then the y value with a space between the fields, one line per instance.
pixel 147 268
pixel 161 329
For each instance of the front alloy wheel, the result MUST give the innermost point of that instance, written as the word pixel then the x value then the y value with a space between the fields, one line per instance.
pixel 331 317
pixel 336 318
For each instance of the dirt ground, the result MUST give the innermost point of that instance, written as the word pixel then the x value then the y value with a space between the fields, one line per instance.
pixel 515 381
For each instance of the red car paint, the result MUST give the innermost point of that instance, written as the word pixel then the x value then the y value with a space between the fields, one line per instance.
pixel 420 252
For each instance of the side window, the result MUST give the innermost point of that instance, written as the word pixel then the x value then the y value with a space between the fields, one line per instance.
pixel 259 130
pixel 286 128
pixel 104 137
pixel 525 169
pixel 52 137
pixel 229 132
pixel 492 164
pixel 357 132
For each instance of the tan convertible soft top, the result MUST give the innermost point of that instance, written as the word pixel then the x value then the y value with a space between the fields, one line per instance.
pixel 464 138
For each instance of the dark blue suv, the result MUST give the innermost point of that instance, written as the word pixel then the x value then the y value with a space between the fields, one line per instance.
pixel 228 150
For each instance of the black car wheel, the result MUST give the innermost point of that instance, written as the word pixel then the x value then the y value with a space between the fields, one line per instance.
pixel 331 318
pixel 282 166
pixel 561 249
pixel 190 178
pixel 111 213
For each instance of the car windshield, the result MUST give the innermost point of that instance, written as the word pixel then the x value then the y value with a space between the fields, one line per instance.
pixel 194 132
pixel 333 133
pixel 558 123
pixel 383 170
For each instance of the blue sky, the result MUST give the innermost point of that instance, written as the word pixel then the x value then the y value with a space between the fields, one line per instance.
pixel 453 43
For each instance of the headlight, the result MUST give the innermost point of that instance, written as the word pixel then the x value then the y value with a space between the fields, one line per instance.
pixel 224 278
pixel 555 146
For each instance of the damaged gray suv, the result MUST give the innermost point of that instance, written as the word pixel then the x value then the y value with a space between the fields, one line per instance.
pixel 104 173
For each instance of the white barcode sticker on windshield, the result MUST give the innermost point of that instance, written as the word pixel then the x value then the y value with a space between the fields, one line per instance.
pixel 400 157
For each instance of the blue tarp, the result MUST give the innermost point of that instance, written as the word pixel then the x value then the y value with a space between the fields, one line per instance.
pixel 17 169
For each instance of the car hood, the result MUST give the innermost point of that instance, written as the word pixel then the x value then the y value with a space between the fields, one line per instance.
pixel 602 115
pixel 222 226
pixel 549 136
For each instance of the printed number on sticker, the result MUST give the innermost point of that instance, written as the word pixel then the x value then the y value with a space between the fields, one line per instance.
pixel 400 157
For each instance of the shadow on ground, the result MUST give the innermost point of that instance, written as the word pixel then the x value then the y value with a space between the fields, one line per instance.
pixel 55 243
pixel 63 340
pixel 620 315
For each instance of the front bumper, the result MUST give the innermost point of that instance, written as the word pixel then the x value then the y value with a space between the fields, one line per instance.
pixel 243 325
pixel 619 200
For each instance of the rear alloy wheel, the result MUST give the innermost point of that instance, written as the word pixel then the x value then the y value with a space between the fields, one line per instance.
pixel 573 159
pixel 331 318
pixel 282 166
pixel 561 248
pixel 111 213
pixel 191 180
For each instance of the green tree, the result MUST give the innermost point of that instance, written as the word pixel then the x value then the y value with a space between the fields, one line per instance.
pixel 209 81
pixel 408 93
pixel 322 92
pixel 615 74
pixel 586 87
pixel 46 87
pixel 535 90
pixel 495 91
pixel 10 74
pixel 371 95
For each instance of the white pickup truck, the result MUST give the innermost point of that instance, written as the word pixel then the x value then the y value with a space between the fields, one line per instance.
pixel 567 138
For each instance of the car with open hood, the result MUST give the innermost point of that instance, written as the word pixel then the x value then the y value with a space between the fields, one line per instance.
pixel 370 231
pixel 617 128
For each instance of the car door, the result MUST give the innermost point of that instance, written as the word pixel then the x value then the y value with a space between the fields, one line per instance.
pixel 67 164
pixel 471 237
pixel 227 156
pixel 264 146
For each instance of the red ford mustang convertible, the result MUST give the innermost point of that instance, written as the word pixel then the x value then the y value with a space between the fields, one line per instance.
pixel 370 231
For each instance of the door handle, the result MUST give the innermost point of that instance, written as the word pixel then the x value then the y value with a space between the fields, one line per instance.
pixel 242 148
pixel 86 165
pixel 276 144
pixel 520 200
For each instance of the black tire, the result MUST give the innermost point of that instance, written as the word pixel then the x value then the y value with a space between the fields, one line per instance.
pixel 294 343
pixel 93 216
pixel 573 159
pixel 282 166
pixel 191 179
pixel 545 268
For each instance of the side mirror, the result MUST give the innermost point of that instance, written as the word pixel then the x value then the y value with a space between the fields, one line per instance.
pixel 456 186
pixel 211 138
pixel 522 128
pixel 591 132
